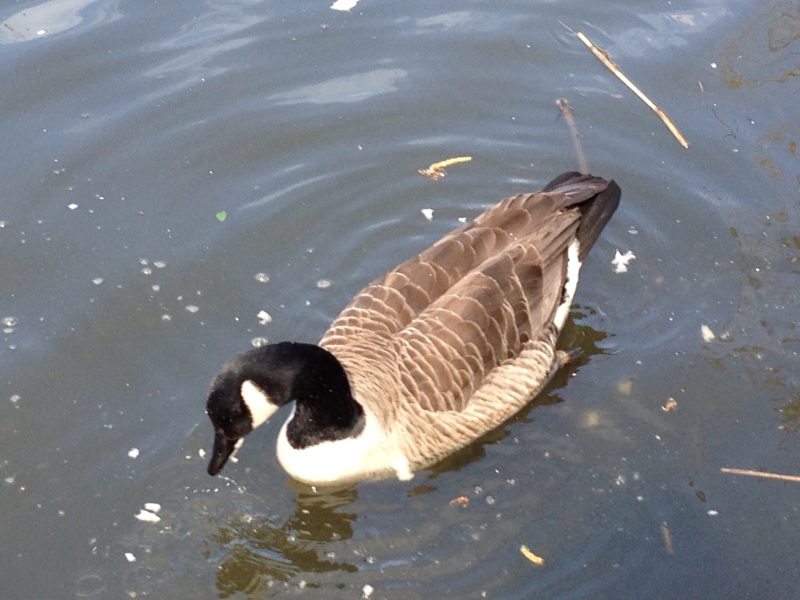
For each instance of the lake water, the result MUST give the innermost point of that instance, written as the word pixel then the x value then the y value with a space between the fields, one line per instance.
pixel 169 170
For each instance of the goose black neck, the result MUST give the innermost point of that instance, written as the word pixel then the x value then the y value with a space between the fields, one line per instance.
pixel 325 409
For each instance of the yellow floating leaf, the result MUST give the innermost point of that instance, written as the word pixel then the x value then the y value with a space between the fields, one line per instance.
pixel 537 560
pixel 436 170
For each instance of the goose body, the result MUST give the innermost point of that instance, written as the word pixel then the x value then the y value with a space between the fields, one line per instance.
pixel 440 350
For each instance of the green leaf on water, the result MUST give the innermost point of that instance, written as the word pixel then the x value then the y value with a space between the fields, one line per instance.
pixel 222 215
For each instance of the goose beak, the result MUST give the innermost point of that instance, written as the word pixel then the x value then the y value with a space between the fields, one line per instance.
pixel 224 448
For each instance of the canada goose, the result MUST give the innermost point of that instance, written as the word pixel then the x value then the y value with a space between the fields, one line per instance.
pixel 440 350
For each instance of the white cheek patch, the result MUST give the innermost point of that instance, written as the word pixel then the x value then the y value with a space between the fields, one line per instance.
pixel 573 270
pixel 258 403
pixel 236 447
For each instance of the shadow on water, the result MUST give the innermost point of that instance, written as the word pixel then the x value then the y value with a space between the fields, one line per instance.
pixel 257 554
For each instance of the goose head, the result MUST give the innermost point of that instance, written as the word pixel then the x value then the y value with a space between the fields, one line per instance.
pixel 243 396
pixel 252 386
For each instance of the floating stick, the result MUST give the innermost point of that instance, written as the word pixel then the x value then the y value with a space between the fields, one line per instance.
pixel 566 110
pixel 764 474
pixel 603 56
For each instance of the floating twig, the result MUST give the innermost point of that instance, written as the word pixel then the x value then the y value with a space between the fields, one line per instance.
pixel 436 170
pixel 667 537
pixel 566 110
pixel 603 56
pixel 765 474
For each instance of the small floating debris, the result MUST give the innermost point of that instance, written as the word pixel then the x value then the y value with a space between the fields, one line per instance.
pixel 264 317
pixel 221 216
pixel 262 278
pixel 667 537
pixel 258 342
pixel 324 284
pixel 537 560
pixel 708 335
pixel 460 501
pixel 72 206
pixel 436 170
pixel 147 516
pixel 621 261
pixel 10 322
pixel 130 557
pixel 344 4
pixel 671 404
pixel 97 280
pixel 427 213
pixel 367 591
pixel 133 452
pixel 192 308
pixel 201 453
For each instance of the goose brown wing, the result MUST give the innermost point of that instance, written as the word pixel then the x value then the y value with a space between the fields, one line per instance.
pixel 389 304
pixel 487 316
pixel 474 298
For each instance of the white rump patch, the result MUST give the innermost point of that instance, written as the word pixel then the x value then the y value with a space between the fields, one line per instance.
pixel 258 403
pixel 570 285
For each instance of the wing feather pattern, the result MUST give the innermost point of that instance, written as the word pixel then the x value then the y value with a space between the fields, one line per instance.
pixel 468 323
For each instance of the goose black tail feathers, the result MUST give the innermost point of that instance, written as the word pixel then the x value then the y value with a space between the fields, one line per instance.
pixel 597 200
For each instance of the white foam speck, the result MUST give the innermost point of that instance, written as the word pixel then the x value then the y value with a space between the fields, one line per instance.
pixel 344 4
pixel 621 261
pixel 192 308
pixel 147 516
pixel 97 280
pixel 133 452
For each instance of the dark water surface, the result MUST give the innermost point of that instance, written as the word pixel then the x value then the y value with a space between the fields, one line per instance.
pixel 128 128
